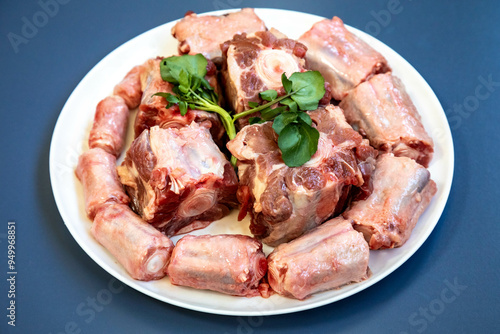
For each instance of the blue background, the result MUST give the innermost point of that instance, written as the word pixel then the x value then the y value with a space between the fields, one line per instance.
pixel 451 43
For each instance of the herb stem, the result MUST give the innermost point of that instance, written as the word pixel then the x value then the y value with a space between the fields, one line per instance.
pixel 226 119
pixel 262 107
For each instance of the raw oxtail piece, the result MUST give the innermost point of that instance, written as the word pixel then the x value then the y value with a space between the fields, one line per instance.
pixel 285 202
pixel 327 257
pixel 140 248
pixel 229 263
pixel 382 111
pixel 254 63
pixel 153 109
pixel 204 34
pixel 178 179
pixel 96 170
pixel 343 59
pixel 402 190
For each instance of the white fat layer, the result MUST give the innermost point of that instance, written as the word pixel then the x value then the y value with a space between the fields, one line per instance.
pixel 233 69
pixel 188 153
pixel 325 147
pixel 258 188
pixel 260 185
pixel 301 198
pixel 241 170
pixel 278 166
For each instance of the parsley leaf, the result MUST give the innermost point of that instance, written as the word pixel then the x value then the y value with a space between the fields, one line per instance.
pixel 287 84
pixel 283 120
pixel 177 70
pixel 255 120
pixel 290 103
pixel 298 141
pixel 309 88
pixel 268 95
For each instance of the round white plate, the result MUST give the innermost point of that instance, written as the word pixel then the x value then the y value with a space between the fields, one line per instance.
pixel 70 140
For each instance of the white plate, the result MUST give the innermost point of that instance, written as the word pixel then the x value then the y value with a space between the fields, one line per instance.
pixel 71 135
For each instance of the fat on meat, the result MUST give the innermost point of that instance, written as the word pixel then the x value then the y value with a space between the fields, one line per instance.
pixel 327 257
pixel 110 125
pixel 140 248
pixel 178 179
pixel 153 110
pixel 285 202
pixel 254 63
pixel 228 263
pixel 382 111
pixel 96 170
pixel 204 34
pixel 402 190
pixel 343 59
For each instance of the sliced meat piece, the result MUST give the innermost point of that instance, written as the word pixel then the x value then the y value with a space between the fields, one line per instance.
pixel 343 58
pixel 96 170
pixel 178 179
pixel 110 125
pixel 205 34
pixel 130 88
pixel 382 110
pixel 402 190
pixel 153 111
pixel 286 202
pixel 255 63
pixel 140 248
pixel 229 263
pixel 328 257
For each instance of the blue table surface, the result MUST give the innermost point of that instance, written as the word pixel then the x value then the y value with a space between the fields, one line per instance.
pixel 450 285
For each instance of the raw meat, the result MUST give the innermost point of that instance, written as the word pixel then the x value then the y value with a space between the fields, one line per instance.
pixel 402 190
pixel 140 248
pixel 286 202
pixel 328 257
pixel 255 63
pixel 110 125
pixel 230 263
pixel 383 112
pixel 344 59
pixel 178 179
pixel 153 110
pixel 205 34
pixel 130 87
pixel 96 170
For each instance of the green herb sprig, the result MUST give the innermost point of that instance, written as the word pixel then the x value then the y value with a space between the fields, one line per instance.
pixel 192 90
pixel 297 139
